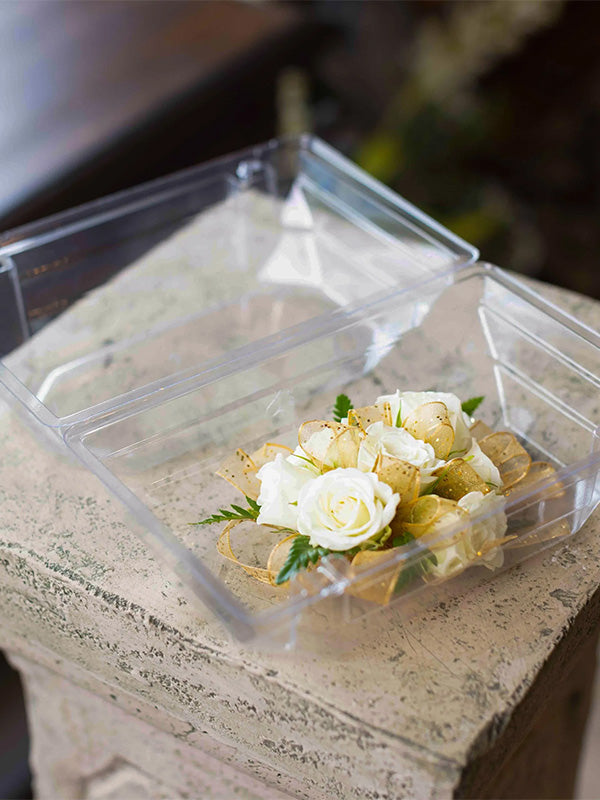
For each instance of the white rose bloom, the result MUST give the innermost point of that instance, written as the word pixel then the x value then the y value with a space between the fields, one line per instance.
pixel 280 483
pixel 483 466
pixel 345 507
pixel 300 460
pixel 450 560
pixel 318 443
pixel 490 529
pixel 454 558
pixel 397 442
pixel 407 402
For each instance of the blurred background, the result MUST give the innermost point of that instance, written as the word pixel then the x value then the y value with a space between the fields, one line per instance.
pixel 484 114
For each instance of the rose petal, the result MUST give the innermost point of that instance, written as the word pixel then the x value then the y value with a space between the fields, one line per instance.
pixel 343 450
pixel 315 437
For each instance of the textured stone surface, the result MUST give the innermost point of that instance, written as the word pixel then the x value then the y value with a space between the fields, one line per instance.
pixel 401 711
pixel 86 747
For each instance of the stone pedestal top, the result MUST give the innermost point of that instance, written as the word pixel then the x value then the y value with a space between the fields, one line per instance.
pixel 414 709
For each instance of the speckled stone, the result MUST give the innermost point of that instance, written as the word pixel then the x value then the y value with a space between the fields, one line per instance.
pixel 108 639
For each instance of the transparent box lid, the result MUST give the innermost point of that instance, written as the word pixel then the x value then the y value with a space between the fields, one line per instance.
pixel 208 268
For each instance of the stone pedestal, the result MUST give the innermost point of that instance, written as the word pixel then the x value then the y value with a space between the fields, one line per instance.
pixel 133 692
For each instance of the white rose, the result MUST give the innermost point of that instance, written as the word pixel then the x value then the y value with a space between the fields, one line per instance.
pixel 345 507
pixel 450 560
pixel 407 402
pixel 453 559
pixel 318 445
pixel 300 460
pixel 280 483
pixel 483 466
pixel 397 442
pixel 490 529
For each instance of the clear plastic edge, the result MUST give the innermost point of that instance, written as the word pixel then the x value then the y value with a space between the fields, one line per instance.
pixel 17 239
pixel 542 304
pixel 212 369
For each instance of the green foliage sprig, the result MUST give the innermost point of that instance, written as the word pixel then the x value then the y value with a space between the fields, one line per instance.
pixel 237 512
pixel 301 554
pixel 470 405
pixel 342 406
pixel 412 571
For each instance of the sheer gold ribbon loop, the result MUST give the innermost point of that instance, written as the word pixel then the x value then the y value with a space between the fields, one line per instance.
pixel 479 430
pixel 539 472
pixel 315 437
pixel 402 477
pixel 436 538
pixel 458 478
pixel 268 452
pixel 275 561
pixel 511 459
pixel 423 514
pixel 367 415
pixel 377 588
pixel 277 558
pixel 240 471
pixel 343 450
pixel 225 548
pixel 430 423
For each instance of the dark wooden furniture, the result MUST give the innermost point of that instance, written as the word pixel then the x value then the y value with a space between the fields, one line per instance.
pixel 97 96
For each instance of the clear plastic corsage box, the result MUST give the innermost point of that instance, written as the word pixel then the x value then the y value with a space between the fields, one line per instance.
pixel 278 366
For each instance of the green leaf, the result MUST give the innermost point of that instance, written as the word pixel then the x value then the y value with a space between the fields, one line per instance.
pixel 301 554
pixel 253 505
pixel 471 404
pixel 433 486
pixel 304 458
pixel 237 512
pixel 342 406
pixel 456 453
pixel 404 538
pixel 398 419
pixel 415 570
pixel 408 575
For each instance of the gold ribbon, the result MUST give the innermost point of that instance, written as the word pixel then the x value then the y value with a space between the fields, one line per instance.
pixel 275 561
pixel 458 478
pixel 377 588
pixel 402 477
pixel 367 415
pixel 511 459
pixel 240 471
pixel 430 423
